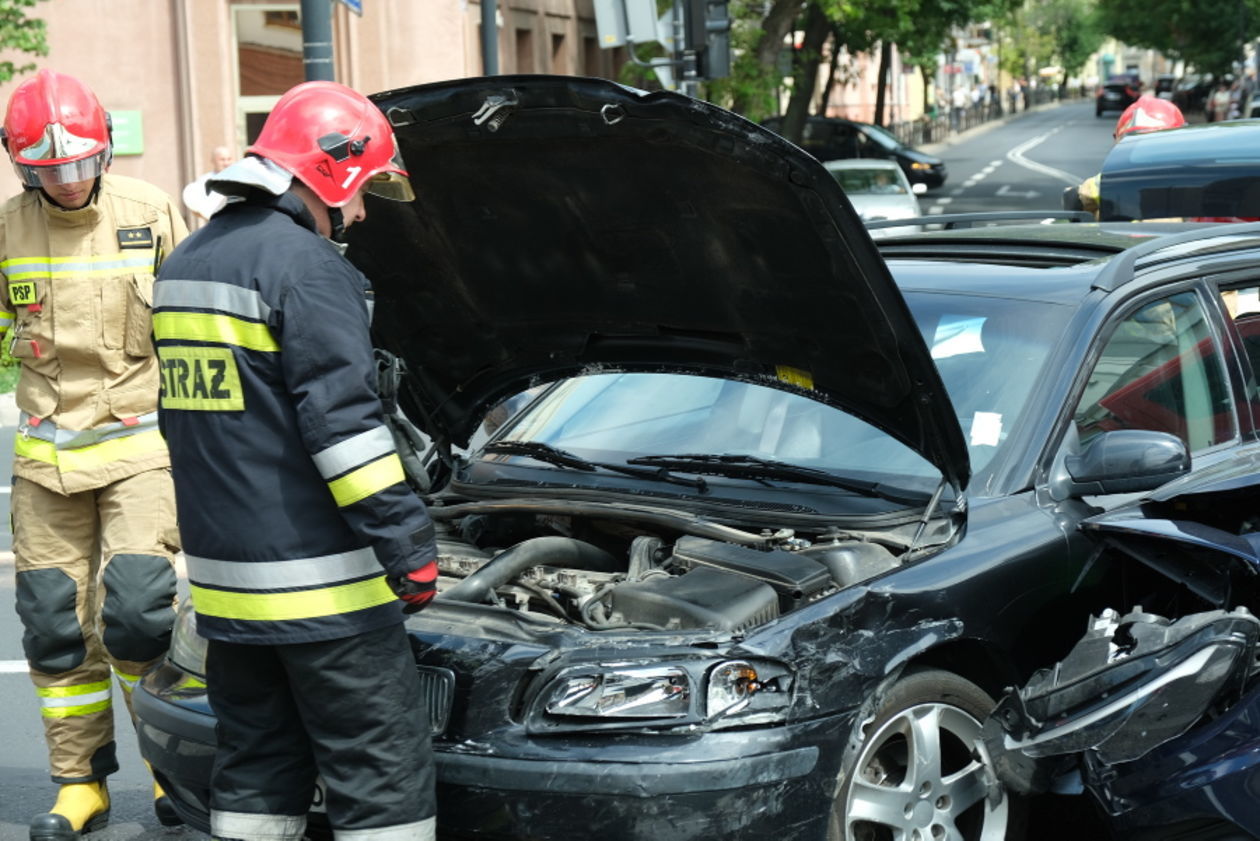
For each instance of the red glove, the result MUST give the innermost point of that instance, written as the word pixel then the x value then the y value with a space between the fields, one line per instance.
pixel 417 588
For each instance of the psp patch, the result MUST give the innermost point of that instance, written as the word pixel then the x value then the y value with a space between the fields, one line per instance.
pixel 201 379
pixel 135 238
pixel 23 293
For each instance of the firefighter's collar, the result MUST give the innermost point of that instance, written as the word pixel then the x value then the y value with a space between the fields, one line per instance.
pixel 250 171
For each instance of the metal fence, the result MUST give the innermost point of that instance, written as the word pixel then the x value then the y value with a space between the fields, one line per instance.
pixel 947 121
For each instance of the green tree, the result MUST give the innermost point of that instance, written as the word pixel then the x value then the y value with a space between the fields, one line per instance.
pixel 21 33
pixel 1039 33
pixel 1207 34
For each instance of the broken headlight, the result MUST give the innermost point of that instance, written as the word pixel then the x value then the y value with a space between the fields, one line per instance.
pixel 633 692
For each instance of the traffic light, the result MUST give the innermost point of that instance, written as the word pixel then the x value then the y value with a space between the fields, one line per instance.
pixel 707 25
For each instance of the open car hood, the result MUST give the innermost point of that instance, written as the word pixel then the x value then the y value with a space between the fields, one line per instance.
pixel 565 225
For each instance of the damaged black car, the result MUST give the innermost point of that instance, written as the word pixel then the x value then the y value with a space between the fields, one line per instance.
pixel 739 537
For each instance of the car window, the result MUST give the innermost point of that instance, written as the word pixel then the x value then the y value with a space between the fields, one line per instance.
pixel 1162 370
pixel 1242 303
pixel 876 181
pixel 990 352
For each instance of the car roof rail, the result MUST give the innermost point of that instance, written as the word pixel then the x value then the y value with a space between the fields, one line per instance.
pixel 968 220
pixel 1215 237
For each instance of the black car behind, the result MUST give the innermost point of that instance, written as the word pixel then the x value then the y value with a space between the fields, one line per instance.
pixel 832 138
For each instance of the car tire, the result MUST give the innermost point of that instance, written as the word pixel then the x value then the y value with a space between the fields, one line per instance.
pixel 911 772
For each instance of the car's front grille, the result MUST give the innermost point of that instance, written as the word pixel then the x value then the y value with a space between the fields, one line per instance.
pixel 437 688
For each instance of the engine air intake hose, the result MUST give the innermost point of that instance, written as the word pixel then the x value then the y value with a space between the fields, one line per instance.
pixel 563 552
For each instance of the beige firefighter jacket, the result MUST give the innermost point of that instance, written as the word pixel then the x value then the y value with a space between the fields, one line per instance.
pixel 76 296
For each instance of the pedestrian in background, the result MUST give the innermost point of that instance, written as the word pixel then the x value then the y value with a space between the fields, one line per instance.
pixel 301 534
pixel 197 195
pixel 93 507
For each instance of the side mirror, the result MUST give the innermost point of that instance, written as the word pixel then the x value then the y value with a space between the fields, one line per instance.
pixel 918 188
pixel 1121 461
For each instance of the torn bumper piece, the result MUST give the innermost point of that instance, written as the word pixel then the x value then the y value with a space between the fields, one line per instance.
pixel 1130 685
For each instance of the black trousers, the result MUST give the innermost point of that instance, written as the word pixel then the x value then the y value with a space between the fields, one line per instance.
pixel 349 710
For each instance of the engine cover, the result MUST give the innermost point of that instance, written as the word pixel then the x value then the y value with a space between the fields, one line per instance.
pixel 701 598
pixel 794 577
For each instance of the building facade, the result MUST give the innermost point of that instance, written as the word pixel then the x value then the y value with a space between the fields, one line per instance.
pixel 180 77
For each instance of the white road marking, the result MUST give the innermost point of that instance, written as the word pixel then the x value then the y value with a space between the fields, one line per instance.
pixel 935 209
pixel 13 667
pixel 1016 156
pixel 956 192
pixel 944 200
pixel 995 164
pixel 1005 190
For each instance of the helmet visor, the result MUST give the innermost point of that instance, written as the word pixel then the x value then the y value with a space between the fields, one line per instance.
pixel 391 185
pixel 38 175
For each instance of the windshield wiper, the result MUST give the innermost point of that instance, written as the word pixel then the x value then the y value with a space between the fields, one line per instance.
pixel 564 458
pixel 756 468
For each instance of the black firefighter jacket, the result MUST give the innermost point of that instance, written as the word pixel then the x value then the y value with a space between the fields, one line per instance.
pixel 291 498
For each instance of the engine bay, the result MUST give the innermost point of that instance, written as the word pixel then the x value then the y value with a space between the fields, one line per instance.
pixel 609 567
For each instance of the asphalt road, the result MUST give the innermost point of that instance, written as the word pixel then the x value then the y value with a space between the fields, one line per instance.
pixel 1020 164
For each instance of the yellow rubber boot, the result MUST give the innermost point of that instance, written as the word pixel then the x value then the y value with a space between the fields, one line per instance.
pixel 163 808
pixel 80 807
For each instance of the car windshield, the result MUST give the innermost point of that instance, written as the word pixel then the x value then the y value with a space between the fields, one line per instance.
pixel 989 352
pixel 877 181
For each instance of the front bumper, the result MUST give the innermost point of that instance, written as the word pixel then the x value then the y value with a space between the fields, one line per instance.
pixel 751 783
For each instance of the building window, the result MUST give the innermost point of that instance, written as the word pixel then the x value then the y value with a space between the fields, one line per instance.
pixel 590 57
pixel 559 55
pixel 525 51
pixel 268 41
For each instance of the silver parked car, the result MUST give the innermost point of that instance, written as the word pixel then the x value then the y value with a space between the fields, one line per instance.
pixel 878 190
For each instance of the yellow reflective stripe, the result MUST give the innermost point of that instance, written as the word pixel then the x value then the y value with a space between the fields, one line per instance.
pixel 21 268
pixel 303 604
pixel 128 682
pixel 68 701
pixel 367 480
pixel 34 448
pixel 213 327
pixel 96 455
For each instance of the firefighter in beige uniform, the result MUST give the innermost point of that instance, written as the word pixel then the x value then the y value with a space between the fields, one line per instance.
pixel 93 508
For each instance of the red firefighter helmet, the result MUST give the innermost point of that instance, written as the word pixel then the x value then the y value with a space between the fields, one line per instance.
pixel 55 126
pixel 334 140
pixel 1148 113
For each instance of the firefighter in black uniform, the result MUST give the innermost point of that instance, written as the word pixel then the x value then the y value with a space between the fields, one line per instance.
pixel 304 544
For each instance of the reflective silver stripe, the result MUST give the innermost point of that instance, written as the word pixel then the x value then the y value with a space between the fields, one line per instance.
pixel 354 452
pixel 425 830
pixel 277 575
pixel 75 700
pixel 18 267
pixel 256 827
pixel 206 295
pixel 72 439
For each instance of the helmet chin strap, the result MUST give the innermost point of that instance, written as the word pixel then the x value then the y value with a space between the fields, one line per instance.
pixel 337 222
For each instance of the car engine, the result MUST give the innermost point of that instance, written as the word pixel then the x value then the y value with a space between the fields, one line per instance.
pixel 611 567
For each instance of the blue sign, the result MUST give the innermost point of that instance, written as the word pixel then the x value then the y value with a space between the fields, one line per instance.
pixel 355 6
